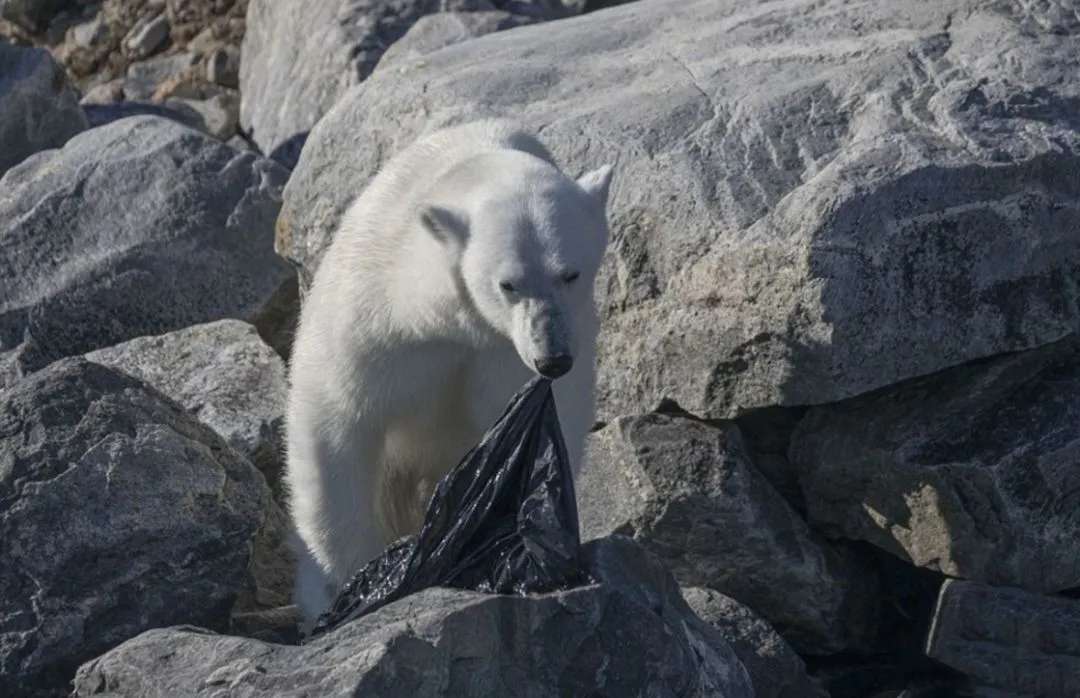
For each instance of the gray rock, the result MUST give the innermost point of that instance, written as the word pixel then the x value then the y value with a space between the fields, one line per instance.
pixel 105 93
pixel 218 115
pixel 136 228
pixel 225 375
pixel 205 42
pixel 972 472
pixel 774 668
pixel 119 512
pixel 271 571
pixel 626 636
pixel 807 206
pixel 442 29
pixel 90 33
pixel 32 15
pixel 689 493
pixel 299 57
pixel 147 36
pixel 223 67
pixel 1009 639
pixel 144 77
pixel 38 109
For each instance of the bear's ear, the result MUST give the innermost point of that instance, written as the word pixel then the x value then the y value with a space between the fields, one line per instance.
pixel 597 183
pixel 445 224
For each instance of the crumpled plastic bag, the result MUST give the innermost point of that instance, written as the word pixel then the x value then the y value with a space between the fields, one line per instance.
pixel 503 521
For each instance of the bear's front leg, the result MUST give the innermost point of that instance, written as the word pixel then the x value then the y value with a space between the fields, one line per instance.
pixel 332 479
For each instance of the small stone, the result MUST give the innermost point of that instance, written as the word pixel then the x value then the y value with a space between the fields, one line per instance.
pixel 223 67
pixel 91 33
pixel 106 93
pixel 204 42
pixel 144 77
pixel 147 37
pixel 220 114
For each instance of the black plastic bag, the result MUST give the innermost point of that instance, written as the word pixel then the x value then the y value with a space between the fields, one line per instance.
pixel 503 521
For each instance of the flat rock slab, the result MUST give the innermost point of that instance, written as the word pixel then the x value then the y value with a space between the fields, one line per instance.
pixel 136 228
pixel 774 668
pixel 225 375
pixel 629 635
pixel 689 493
pixel 1023 643
pixel 971 472
pixel 811 200
pixel 38 109
pixel 119 512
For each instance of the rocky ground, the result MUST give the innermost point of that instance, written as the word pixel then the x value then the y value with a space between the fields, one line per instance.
pixel 839 452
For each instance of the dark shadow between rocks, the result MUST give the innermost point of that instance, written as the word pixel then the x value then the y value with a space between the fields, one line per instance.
pixel 288 152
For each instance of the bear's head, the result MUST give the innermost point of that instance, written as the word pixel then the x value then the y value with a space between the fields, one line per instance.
pixel 527 242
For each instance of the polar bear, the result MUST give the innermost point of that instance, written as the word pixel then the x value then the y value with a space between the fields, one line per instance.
pixel 466 266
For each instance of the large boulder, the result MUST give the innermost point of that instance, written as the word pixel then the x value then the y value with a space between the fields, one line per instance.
pixel 972 472
pixel 299 58
pixel 690 494
pixel 225 375
pixel 119 512
pixel 774 668
pixel 38 109
pixel 1022 643
pixel 807 205
pixel 630 634
pixel 139 227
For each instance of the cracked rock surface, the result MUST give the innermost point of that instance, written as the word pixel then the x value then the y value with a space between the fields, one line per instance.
pixel 138 227
pixel 774 668
pixel 690 494
pixel 119 512
pixel 972 472
pixel 631 634
pixel 812 200
pixel 225 375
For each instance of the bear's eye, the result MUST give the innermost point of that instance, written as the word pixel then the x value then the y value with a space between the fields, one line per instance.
pixel 507 286
pixel 570 277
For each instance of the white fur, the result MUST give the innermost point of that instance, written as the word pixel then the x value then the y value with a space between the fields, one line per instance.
pixel 408 347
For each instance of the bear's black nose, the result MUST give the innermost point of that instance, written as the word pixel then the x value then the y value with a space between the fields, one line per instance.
pixel 554 366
